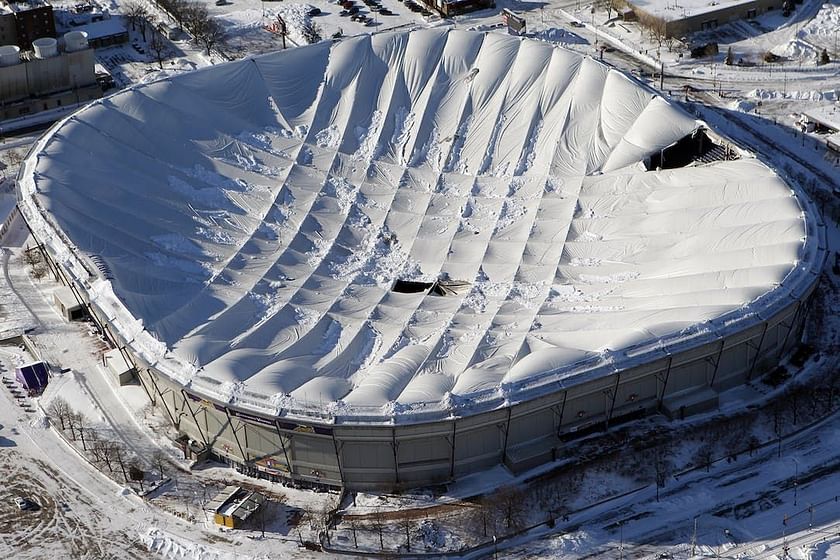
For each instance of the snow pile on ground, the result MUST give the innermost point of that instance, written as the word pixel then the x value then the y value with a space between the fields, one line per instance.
pixel 797 49
pixel 40 421
pixel 167 545
pixel 742 105
pixel 560 36
pixel 294 15
pixel 805 95
pixel 823 551
pixel 816 35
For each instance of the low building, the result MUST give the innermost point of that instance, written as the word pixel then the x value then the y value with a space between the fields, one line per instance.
pixel 67 304
pixel 46 79
pixel 33 377
pixel 449 8
pixel 688 16
pixel 825 119
pixel 105 33
pixel 118 366
pixel 233 506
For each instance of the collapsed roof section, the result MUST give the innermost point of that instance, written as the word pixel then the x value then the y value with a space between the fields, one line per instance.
pixel 255 216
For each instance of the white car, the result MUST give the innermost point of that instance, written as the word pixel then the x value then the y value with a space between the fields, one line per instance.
pixel 21 503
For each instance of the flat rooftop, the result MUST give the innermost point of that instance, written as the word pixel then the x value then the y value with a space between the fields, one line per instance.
pixel 826 115
pixel 674 10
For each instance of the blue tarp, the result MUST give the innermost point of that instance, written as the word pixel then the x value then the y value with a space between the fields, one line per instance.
pixel 32 377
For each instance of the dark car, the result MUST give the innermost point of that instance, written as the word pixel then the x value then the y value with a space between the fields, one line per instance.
pixel 314 12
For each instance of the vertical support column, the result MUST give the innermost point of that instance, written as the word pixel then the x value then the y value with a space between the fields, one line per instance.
pixel 236 437
pixel 758 351
pixel 285 452
pixel 717 362
pixel 505 440
pixel 665 382
pixel 791 326
pixel 562 412
pixel 396 458
pixel 614 393
pixel 337 447
pixel 452 455
pixel 195 418
pixel 162 399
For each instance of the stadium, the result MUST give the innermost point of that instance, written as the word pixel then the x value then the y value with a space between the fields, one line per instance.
pixel 394 260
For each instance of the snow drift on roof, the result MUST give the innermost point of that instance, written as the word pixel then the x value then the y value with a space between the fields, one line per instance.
pixel 255 215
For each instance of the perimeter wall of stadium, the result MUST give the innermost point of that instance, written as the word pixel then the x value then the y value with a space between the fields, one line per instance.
pixel 530 428
pixel 410 452
pixel 521 436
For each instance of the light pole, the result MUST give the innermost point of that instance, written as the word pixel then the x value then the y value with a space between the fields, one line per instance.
pixel 621 540
pixel 795 480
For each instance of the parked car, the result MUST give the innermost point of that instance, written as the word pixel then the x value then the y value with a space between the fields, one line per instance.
pixel 576 24
pixel 21 503
pixel 314 12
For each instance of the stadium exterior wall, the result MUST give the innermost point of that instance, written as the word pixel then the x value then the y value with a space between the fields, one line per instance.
pixel 527 428
pixel 521 436
pixel 363 456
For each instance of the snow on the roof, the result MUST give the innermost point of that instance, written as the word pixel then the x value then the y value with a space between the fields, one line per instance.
pixel 673 10
pixel 826 115
pixel 253 216
pixel 103 28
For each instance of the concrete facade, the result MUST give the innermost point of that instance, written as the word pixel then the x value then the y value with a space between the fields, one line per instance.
pixel 520 437
pixel 524 434
pixel 36 85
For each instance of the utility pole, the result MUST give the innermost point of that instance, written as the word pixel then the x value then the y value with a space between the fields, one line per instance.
pixel 621 540
pixel 661 74
pixel 282 28
pixel 694 538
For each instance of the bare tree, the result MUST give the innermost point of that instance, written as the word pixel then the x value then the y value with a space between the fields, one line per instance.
pixel 159 459
pixel 510 505
pixel 657 27
pixel 778 425
pixel 120 454
pixel 485 515
pixel 59 410
pixel 81 423
pixel 103 451
pixel 13 157
pixel 211 35
pixel 353 529
pixel 134 13
pixel 703 456
pixel 378 521
pixel 159 47
pixel 406 523
pixel 195 17
pixel 662 466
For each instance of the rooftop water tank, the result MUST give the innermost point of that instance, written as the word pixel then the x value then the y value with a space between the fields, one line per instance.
pixel 9 55
pixel 45 47
pixel 75 41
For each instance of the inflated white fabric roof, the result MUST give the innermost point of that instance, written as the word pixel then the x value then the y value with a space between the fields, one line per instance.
pixel 253 217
